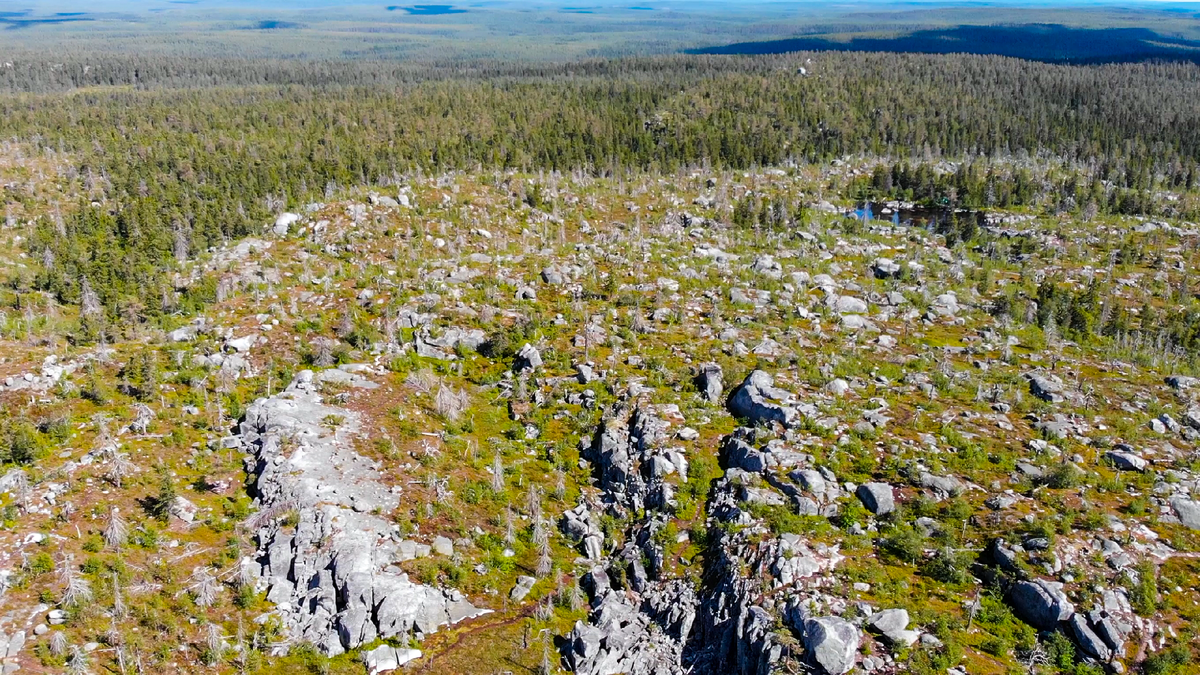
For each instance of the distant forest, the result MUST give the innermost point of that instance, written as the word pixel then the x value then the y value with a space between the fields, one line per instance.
pixel 1051 43
pixel 185 153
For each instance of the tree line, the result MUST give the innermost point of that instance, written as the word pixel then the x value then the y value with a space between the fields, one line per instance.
pixel 185 153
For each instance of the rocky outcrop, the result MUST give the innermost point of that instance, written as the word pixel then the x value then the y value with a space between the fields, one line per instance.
pixel 1100 634
pixel 631 461
pixel 734 633
pixel 752 575
pixel 580 527
pixel 759 401
pixel 643 627
pixel 659 625
pixel 1041 603
pixel 644 638
pixel 1087 639
pixel 832 643
pixel 326 547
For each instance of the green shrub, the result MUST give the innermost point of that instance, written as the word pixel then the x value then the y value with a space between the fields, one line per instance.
pixel 1143 595
pixel 904 542
pixel 947 566
pixel 41 563
pixel 1175 660
pixel 22 443
pixel 1064 476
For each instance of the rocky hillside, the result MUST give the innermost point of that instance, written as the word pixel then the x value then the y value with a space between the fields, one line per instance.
pixel 698 423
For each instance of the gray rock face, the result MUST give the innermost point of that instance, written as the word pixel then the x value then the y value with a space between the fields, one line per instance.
pixel 579 526
pixel 885 268
pixel 585 374
pixel 946 484
pixel 386 658
pixel 760 402
pixel 443 546
pixel 647 633
pixel 945 304
pixel 767 266
pixel 11 645
pixel 330 574
pixel 429 351
pixel 1187 510
pixel 888 621
pixel 1111 629
pixel 528 358
pixel 832 642
pixel 1041 603
pixel 629 455
pixel 838 387
pixel 621 637
pixel 710 383
pixel 877 497
pixel 452 338
pixel 1180 381
pixel 847 304
pixel 1091 643
pixel 1046 388
pixel 733 634
pixel 522 589
pixel 1126 461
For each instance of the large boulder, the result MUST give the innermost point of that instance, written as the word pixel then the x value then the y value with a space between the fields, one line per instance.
pixel 886 268
pixel 947 484
pixel 528 358
pixel 284 222
pixel 1181 381
pixel 1187 510
pixel 1091 643
pixel 1126 461
pixel 945 304
pixel 760 402
pixel 877 497
pixel 522 588
pixel 832 643
pixel 888 621
pixel 1046 387
pixel 848 304
pixel 710 383
pixel 892 624
pixel 386 658
pixel 1042 604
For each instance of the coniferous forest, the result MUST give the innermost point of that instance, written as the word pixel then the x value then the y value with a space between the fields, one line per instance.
pixel 201 151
